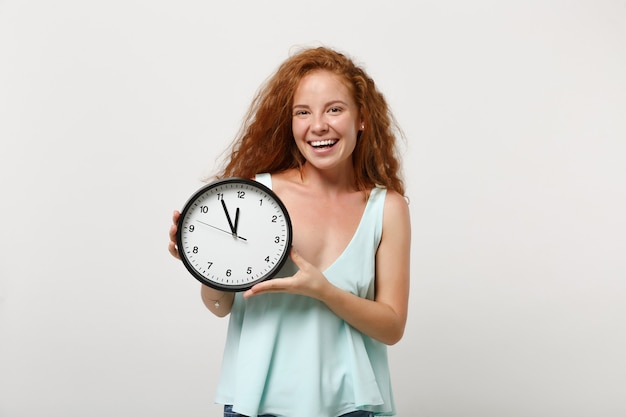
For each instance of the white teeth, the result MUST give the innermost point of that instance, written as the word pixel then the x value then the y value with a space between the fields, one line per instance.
pixel 323 142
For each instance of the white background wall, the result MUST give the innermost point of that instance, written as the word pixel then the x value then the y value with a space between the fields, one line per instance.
pixel 515 116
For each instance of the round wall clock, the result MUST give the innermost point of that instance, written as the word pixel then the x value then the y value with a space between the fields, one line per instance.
pixel 234 233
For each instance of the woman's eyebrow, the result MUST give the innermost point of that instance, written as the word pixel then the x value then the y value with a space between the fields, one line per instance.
pixel 330 103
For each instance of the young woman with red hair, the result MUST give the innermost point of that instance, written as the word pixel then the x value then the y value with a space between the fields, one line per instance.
pixel 315 344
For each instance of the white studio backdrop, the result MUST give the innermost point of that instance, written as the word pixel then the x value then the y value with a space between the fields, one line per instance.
pixel 514 112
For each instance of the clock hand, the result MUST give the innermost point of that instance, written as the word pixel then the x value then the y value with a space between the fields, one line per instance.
pixel 236 220
pixel 230 223
pixel 221 230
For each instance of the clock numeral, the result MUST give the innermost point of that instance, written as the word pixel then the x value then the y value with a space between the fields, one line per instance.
pixel 267 259
pixel 220 196
pixel 241 194
pixel 195 249
pixel 228 272
pixel 210 265
pixel 249 270
pixel 260 202
pixel 274 218
pixel 191 228
pixel 204 209
pixel 277 239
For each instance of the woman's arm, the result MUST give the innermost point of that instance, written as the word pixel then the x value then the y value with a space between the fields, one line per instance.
pixel 218 302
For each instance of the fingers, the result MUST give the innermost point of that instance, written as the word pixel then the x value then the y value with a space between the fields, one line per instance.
pixel 173 250
pixel 173 229
pixel 276 285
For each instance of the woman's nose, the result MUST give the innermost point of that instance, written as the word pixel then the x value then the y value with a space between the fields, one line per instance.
pixel 319 125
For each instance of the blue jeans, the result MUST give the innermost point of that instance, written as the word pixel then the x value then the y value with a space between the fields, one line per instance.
pixel 228 412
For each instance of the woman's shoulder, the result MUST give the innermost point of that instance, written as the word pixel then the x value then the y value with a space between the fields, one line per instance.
pixel 284 179
pixel 396 199
pixel 287 184
pixel 396 206
pixel 290 174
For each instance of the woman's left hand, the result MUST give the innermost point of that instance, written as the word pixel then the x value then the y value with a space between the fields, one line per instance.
pixel 307 281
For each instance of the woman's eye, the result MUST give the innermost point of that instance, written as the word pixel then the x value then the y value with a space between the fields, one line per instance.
pixel 334 110
pixel 300 113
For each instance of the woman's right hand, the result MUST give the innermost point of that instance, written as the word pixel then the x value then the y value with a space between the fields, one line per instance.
pixel 173 229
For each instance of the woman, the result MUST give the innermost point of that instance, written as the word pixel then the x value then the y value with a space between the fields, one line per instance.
pixel 314 344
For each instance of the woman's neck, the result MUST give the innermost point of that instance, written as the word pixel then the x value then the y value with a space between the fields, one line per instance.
pixel 331 181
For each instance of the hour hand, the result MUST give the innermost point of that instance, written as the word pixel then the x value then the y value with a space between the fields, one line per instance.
pixel 233 229
pixel 236 220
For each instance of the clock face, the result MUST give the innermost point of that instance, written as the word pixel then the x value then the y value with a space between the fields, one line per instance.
pixel 234 233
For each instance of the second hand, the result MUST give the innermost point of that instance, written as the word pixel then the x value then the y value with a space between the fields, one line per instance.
pixel 222 230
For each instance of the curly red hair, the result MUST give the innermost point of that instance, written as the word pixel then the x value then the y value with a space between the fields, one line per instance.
pixel 265 142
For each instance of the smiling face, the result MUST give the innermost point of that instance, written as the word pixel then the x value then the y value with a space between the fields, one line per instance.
pixel 325 121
